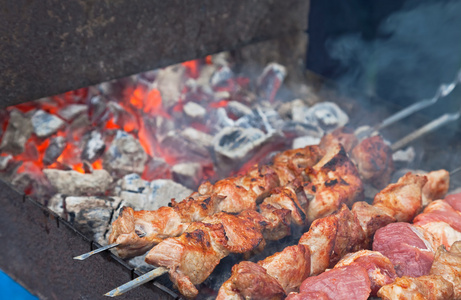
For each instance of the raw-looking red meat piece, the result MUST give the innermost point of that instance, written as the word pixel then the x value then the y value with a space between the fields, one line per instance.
pixel 380 269
pixel 439 210
pixel 406 246
pixel 455 201
pixel 349 282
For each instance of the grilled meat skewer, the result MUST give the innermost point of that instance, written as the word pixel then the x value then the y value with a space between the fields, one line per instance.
pixel 334 180
pixel 331 237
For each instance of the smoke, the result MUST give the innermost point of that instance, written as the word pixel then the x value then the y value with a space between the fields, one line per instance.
pixel 421 49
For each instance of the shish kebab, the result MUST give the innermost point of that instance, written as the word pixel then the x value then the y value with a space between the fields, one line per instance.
pixel 328 239
pixel 180 264
pixel 191 257
pixel 407 262
pixel 372 157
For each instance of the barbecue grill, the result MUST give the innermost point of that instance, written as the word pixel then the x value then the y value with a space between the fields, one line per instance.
pixel 57 47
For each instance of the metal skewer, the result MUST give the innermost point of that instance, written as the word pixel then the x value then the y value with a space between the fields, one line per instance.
pixel 137 282
pixel 99 250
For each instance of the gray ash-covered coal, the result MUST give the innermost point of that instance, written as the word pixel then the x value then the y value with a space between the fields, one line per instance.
pixel 17 133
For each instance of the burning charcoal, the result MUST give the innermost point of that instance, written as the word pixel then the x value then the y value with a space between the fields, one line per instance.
pixel 221 95
pixel 46 124
pixel 79 184
pixel 133 183
pixel 94 147
pixel 71 111
pixel 97 108
pixel 406 155
pixel 327 115
pixel 125 155
pixel 285 110
pixel 219 120
pixel 237 109
pixel 161 191
pixel 183 149
pixel 194 111
pixel 5 161
pixel 170 82
pixel 156 168
pixel 54 150
pixel 304 141
pixel 221 59
pixel 188 174
pixel 270 81
pixel 91 215
pixel 233 144
pixel 221 76
pixel 265 119
pixel 17 133
pixel 291 128
pixel 194 135
pixel 31 181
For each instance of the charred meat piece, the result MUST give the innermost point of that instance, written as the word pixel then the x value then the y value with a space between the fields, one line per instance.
pixel 290 165
pixel 408 247
pixel 330 238
pixel 402 200
pixel 348 282
pixel 285 197
pixel 334 180
pixel 374 161
pixel 379 268
pixel 290 267
pixel 429 287
pixel 371 218
pixel 250 281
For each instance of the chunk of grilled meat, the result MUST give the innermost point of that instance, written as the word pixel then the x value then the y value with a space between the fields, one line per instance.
pixel 379 268
pixel 448 265
pixel 428 287
pixel 402 200
pixel 438 183
pixel 331 237
pixel 343 135
pixel 192 256
pixel 373 158
pixel 334 180
pixel 250 281
pixel 290 165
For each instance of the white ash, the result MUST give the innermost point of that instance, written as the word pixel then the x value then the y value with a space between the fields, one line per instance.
pixel 200 137
pixel 218 120
pixel 221 76
pixel 326 115
pixel 176 145
pixel 238 109
pixel 141 194
pixel 91 215
pixel 4 161
pixel 303 141
pixel 194 111
pixel 94 146
pixel 77 184
pixel 56 204
pixel 170 82
pixel 404 155
pixel 71 111
pixel 54 150
pixel 45 124
pixel 236 142
pixel 221 59
pixel 125 155
pixel 188 174
pixel 286 109
pixel 270 81
pixel 17 133
pixel 161 191
pixel 221 95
